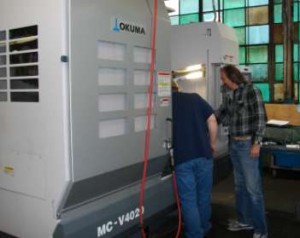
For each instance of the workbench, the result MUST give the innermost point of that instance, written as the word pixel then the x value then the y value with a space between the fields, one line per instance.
pixel 283 145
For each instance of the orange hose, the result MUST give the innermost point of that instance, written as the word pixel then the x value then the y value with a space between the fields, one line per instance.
pixel 148 133
pixel 178 205
pixel 149 112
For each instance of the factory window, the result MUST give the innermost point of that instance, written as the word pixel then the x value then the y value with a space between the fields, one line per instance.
pixel 234 17
pixel 277 13
pixel 258 15
pixel 241 35
pixel 258 2
pixel 259 29
pixel 23 64
pixel 258 54
pixel 259 72
pixel 242 55
pixel 233 4
pixel 279 72
pixel 211 11
pixel 258 35
pixel 189 6
pixel 185 19
pixel 296 9
pixel 265 90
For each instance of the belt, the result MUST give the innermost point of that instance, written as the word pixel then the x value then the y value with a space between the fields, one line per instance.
pixel 241 138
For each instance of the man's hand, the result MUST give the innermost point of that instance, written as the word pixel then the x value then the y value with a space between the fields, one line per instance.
pixel 213 148
pixel 213 131
pixel 255 149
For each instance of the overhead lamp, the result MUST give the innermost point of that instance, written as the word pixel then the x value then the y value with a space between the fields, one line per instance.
pixel 194 75
pixel 193 67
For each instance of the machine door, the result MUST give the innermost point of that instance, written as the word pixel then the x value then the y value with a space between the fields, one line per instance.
pixel 110 72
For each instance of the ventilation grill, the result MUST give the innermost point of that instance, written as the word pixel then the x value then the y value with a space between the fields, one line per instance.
pixel 23 65
pixel 3 67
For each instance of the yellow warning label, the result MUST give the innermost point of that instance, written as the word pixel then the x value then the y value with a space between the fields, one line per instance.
pixel 8 169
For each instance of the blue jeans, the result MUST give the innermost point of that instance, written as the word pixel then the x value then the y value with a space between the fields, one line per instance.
pixel 249 199
pixel 194 181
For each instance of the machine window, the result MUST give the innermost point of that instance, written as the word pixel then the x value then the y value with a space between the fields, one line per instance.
pixel 23 60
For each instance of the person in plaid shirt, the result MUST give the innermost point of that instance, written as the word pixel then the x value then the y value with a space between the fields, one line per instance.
pixel 244 113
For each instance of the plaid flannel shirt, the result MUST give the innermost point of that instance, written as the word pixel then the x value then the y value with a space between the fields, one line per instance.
pixel 243 112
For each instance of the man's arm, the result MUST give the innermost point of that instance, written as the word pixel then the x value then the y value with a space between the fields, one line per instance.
pixel 260 114
pixel 221 114
pixel 213 131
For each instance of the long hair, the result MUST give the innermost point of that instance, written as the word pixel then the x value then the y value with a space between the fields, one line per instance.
pixel 234 75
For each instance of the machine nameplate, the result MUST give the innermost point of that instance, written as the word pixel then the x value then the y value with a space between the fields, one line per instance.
pixel 121 220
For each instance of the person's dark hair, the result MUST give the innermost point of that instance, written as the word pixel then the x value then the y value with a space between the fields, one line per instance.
pixel 234 75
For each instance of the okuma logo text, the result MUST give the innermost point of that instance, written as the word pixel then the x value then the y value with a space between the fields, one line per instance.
pixel 121 26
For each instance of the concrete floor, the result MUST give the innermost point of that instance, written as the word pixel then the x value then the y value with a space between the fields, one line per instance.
pixel 282 195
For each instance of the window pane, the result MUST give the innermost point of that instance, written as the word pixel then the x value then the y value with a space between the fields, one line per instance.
pixel 265 90
pixel 23 32
pixel 259 72
pixel 210 16
pixel 296 52
pixel 296 12
pixel 2 47
pixel 278 13
pixel 258 34
pixel 277 34
pixel 189 18
pixel 279 53
pixel 2 35
pixel 278 92
pixel 24 96
pixel 279 72
pixel 24 71
pixel 3 84
pixel 232 3
pixel 235 17
pixel 189 6
pixel 2 60
pixel 277 1
pixel 258 54
pixel 258 2
pixel 242 55
pixel 207 6
pixel 258 15
pixel 24 84
pixel 174 20
pixel 296 72
pixel 241 35
pixel 3 96
pixel 297 91
pixel 3 72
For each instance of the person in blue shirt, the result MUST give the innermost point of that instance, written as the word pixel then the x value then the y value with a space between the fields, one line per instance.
pixel 194 141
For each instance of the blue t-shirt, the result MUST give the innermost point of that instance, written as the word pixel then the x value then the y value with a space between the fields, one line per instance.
pixel 190 130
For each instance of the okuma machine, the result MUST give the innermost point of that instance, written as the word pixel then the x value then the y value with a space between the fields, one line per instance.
pixel 74 77
pixel 198 52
